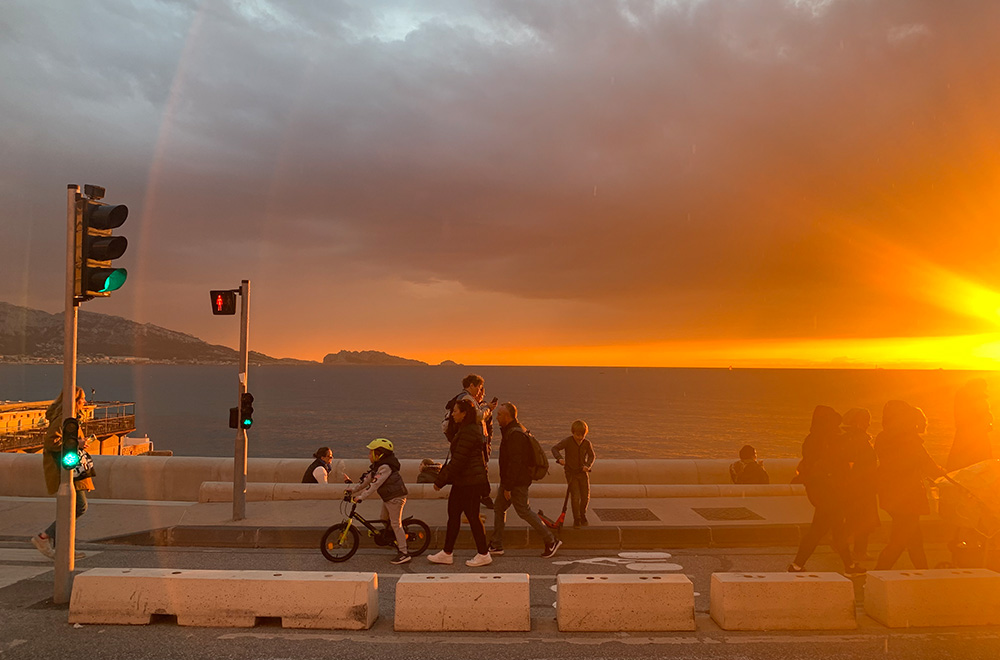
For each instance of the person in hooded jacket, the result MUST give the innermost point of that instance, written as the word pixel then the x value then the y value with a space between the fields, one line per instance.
pixel 824 470
pixel 467 473
pixel 902 464
pixel 383 478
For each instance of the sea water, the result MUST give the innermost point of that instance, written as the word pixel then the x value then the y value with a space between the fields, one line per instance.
pixel 632 412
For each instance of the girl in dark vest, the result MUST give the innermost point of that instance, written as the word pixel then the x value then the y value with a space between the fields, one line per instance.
pixel 319 469
pixel 383 478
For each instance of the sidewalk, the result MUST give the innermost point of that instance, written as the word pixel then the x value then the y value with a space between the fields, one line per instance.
pixel 614 523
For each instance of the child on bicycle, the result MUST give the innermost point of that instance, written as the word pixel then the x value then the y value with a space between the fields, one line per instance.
pixel 383 478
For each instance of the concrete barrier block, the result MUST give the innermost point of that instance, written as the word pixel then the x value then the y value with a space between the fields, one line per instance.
pixel 301 599
pixel 782 601
pixel 935 597
pixel 483 602
pixel 614 603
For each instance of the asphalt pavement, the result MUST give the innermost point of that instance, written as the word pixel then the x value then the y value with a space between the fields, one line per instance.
pixel 33 627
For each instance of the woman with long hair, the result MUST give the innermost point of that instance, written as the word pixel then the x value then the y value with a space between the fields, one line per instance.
pixel 466 471
pixel 824 469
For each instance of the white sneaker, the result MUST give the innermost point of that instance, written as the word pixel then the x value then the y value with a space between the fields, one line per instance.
pixel 44 546
pixel 440 558
pixel 480 560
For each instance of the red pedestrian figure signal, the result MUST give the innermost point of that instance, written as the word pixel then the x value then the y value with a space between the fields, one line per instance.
pixel 223 302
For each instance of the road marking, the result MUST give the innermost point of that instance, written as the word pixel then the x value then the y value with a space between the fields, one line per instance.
pixel 634 561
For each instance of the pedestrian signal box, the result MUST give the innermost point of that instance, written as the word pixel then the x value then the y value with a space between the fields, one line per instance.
pixel 223 302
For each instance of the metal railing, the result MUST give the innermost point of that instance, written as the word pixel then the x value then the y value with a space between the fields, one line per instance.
pixel 102 418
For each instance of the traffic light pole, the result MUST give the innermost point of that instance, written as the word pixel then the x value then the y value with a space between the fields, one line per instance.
pixel 240 452
pixel 66 496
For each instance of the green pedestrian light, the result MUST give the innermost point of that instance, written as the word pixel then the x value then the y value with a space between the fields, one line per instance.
pixel 70 443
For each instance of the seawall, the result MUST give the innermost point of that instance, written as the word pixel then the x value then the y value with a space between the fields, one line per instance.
pixel 193 478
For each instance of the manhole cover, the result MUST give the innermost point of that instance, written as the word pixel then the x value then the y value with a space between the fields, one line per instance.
pixel 625 515
pixel 728 513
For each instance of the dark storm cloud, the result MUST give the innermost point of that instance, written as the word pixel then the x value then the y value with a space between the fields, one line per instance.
pixel 697 166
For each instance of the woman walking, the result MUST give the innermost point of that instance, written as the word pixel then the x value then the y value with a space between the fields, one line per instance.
pixel 824 470
pixel 466 471
pixel 903 462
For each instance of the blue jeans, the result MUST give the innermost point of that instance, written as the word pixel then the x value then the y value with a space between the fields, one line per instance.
pixel 81 508
pixel 519 500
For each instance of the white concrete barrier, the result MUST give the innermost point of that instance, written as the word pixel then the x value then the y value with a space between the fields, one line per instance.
pixel 782 601
pixel 301 599
pixel 935 597
pixel 616 603
pixel 463 601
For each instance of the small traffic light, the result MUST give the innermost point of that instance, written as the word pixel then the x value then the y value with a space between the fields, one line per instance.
pixel 234 418
pixel 246 410
pixel 97 247
pixel 70 443
pixel 223 302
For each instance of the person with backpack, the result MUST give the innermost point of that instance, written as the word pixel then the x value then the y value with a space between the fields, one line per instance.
pixel 578 460
pixel 521 462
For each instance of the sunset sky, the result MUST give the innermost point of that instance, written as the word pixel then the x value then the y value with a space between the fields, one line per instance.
pixel 672 183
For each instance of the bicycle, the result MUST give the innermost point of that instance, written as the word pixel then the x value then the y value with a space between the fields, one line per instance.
pixel 340 542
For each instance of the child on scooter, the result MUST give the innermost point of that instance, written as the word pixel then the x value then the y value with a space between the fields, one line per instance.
pixel 578 460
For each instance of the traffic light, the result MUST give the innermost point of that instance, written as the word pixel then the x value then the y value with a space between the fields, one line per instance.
pixel 97 247
pixel 223 302
pixel 70 443
pixel 246 410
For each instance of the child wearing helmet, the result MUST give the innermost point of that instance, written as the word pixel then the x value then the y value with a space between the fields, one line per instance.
pixel 383 478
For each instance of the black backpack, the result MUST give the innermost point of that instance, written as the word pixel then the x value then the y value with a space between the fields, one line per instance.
pixel 540 466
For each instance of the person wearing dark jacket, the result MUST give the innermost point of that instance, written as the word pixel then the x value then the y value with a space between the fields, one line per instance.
pixel 824 470
pixel 466 471
pixel 383 477
pixel 517 462
pixel 902 464
pixel 319 469
pixel 576 455
pixel 862 483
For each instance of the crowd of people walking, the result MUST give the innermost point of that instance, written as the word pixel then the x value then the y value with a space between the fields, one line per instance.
pixel 848 476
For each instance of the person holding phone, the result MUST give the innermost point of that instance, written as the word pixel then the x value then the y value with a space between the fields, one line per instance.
pixel 475 393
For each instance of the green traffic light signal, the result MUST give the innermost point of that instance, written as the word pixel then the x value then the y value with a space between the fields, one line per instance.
pixel 97 248
pixel 246 410
pixel 70 443
pixel 70 459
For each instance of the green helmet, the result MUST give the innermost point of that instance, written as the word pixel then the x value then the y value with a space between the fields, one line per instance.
pixel 380 443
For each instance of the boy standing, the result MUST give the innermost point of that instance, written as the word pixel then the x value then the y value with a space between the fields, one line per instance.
pixel 579 459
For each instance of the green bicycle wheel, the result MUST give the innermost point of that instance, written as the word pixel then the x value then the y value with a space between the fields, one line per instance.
pixel 339 544
pixel 418 536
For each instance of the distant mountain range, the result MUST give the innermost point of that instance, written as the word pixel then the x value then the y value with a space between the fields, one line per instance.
pixel 31 335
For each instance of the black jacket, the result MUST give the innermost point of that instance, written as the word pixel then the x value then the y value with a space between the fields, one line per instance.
pixel 517 458
pixel 467 466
